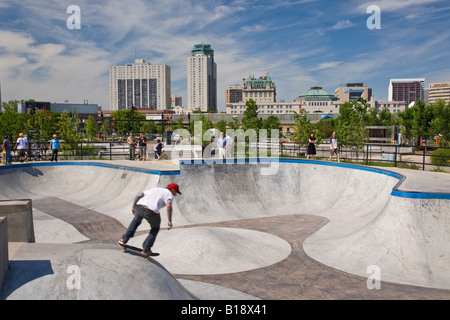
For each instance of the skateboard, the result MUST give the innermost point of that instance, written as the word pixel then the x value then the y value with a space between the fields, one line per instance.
pixel 138 250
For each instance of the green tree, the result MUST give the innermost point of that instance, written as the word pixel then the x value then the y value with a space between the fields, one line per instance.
pixel 271 123
pixel 12 123
pixel 302 128
pixel 91 128
pixel 351 124
pixel 422 117
pixel 234 124
pixel 105 128
pixel 68 130
pixel 149 127
pixel 379 118
pixel 45 123
pixel 325 127
pixel 250 118
pixel 178 124
pixel 221 125
pixel 127 121
pixel 202 123
pixel 405 121
pixel 440 124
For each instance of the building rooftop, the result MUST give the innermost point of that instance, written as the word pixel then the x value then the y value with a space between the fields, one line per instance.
pixel 316 93
pixel 202 49
pixel 260 83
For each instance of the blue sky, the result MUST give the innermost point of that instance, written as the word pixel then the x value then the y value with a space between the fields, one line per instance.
pixel 301 43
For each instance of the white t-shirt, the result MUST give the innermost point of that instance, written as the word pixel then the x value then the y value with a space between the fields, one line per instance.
pixel 21 143
pixel 333 143
pixel 156 198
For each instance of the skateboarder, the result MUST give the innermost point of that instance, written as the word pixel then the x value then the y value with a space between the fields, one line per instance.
pixel 146 206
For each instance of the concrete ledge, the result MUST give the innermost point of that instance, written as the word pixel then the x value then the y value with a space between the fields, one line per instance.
pixel 20 220
pixel 4 261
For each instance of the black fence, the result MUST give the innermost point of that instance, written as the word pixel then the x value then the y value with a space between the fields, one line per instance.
pixel 378 154
pixel 79 151
pixel 423 157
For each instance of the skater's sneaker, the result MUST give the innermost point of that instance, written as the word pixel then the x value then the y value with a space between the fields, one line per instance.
pixel 147 252
pixel 121 242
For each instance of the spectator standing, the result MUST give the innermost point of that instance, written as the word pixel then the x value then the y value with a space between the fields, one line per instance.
pixel 54 147
pixel 131 145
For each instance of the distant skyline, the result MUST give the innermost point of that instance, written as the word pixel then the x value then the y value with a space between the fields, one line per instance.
pixel 301 43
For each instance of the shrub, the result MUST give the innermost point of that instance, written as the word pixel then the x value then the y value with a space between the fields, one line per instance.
pixel 441 157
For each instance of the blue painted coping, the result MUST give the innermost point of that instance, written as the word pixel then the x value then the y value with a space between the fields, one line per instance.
pixel 93 164
pixel 396 192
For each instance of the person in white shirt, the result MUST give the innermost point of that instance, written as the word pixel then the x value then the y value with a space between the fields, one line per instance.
pixel 334 147
pixel 221 145
pixel 21 146
pixel 146 206
pixel 229 146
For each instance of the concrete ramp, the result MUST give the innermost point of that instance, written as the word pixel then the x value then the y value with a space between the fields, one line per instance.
pixel 407 239
pixel 371 222
pixel 87 272
pixel 213 192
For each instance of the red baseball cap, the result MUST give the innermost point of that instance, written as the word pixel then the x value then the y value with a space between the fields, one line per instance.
pixel 175 187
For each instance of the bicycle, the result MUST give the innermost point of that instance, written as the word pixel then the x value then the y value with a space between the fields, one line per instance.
pixel 164 155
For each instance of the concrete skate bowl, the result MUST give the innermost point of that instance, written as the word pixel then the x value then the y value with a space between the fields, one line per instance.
pixel 365 220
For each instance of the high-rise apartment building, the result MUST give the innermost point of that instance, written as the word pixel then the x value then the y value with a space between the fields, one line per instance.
pixel 439 91
pixel 201 79
pixel 140 85
pixel 407 90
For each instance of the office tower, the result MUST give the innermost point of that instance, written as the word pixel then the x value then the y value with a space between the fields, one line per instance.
pixel 176 101
pixel 352 91
pixel 407 90
pixel 201 79
pixel 439 91
pixel 233 94
pixel 141 85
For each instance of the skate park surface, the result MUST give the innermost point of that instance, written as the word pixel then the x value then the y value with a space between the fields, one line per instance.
pixel 304 230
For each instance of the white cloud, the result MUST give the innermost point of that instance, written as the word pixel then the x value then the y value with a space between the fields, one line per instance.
pixel 390 5
pixel 61 75
pixel 254 28
pixel 343 24
pixel 327 65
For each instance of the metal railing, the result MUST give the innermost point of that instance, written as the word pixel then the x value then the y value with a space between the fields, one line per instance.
pixel 383 154
pixel 370 154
